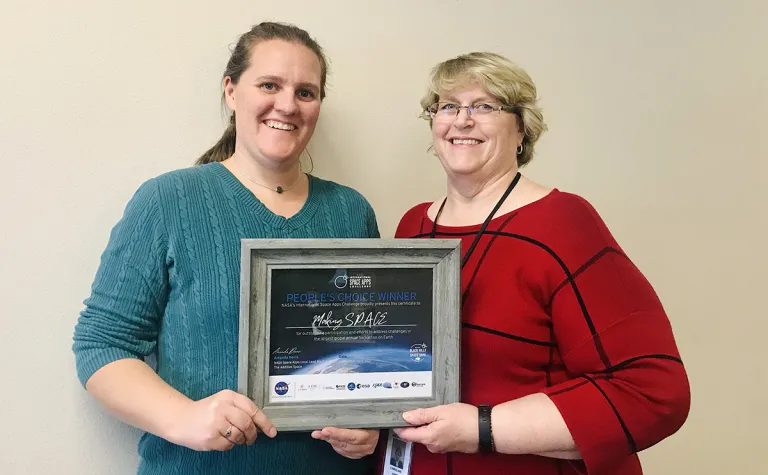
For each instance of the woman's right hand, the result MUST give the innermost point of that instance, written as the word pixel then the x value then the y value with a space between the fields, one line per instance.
pixel 219 422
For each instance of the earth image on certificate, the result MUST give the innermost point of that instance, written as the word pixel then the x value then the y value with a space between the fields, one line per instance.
pixel 370 360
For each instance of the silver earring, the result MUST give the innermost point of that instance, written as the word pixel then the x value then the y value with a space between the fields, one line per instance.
pixel 520 149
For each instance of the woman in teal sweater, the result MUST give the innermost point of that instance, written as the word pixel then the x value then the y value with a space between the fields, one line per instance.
pixel 168 282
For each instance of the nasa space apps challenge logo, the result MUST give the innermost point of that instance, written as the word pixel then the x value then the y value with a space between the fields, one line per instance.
pixel 359 281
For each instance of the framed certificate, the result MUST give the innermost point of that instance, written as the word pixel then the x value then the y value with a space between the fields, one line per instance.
pixel 348 332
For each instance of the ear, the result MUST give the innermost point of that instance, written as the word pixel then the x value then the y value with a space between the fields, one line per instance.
pixel 229 93
pixel 520 126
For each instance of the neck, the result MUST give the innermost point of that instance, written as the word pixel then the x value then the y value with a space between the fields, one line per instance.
pixel 284 175
pixel 469 193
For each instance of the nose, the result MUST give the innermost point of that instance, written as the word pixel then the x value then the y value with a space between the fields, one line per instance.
pixel 285 102
pixel 463 119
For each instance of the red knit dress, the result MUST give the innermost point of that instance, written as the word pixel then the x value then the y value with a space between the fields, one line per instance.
pixel 552 304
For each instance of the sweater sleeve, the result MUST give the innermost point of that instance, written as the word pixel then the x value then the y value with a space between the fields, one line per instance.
pixel 372 223
pixel 122 315
pixel 630 389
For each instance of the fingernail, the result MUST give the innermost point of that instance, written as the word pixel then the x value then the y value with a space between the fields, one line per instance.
pixel 273 431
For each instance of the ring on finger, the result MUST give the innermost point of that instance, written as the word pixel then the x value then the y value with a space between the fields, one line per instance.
pixel 228 432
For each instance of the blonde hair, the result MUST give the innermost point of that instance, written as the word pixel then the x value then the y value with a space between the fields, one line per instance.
pixel 502 79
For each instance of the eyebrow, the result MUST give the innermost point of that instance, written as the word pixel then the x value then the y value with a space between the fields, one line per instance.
pixel 480 99
pixel 279 80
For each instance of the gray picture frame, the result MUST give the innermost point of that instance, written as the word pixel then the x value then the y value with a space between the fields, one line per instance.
pixel 259 256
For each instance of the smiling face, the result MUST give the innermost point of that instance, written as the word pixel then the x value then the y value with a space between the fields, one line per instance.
pixel 276 102
pixel 476 145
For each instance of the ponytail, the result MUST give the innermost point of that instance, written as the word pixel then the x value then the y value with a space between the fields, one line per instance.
pixel 224 148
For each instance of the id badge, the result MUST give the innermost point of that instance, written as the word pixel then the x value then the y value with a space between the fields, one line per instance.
pixel 397 460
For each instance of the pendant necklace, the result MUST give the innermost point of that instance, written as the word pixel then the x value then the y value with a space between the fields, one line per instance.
pixel 279 190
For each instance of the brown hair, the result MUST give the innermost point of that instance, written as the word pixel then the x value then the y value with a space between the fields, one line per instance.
pixel 240 61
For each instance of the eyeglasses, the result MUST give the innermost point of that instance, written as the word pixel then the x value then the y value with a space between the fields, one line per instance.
pixel 447 111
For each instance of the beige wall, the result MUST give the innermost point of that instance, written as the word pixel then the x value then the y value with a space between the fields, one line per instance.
pixel 657 114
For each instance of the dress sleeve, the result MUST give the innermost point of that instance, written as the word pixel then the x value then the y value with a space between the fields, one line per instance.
pixel 122 315
pixel 410 223
pixel 629 388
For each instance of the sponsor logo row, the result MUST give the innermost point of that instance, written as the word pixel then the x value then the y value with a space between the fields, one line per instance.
pixel 281 388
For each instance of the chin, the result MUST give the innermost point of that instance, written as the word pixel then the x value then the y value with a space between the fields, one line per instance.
pixel 462 166
pixel 279 155
pixel 462 172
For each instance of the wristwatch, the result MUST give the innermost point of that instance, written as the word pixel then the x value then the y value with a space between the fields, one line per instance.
pixel 485 429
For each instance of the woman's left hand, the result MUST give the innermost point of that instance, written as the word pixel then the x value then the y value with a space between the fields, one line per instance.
pixel 447 428
pixel 351 443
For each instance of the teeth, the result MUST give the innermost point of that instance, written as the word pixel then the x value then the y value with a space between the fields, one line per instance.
pixel 279 125
pixel 465 142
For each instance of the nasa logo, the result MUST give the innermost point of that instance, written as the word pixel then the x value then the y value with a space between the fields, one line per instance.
pixel 351 386
pixel 281 388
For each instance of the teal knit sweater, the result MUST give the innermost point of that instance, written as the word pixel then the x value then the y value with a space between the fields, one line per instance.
pixel 168 286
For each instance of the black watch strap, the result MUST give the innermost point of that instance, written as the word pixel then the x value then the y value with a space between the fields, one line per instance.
pixel 484 426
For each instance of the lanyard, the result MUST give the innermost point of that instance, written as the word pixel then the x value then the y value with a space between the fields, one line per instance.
pixel 485 223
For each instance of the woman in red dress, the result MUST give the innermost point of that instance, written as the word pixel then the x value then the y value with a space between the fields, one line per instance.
pixel 569 363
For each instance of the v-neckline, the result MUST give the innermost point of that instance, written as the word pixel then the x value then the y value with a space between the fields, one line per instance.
pixel 266 215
